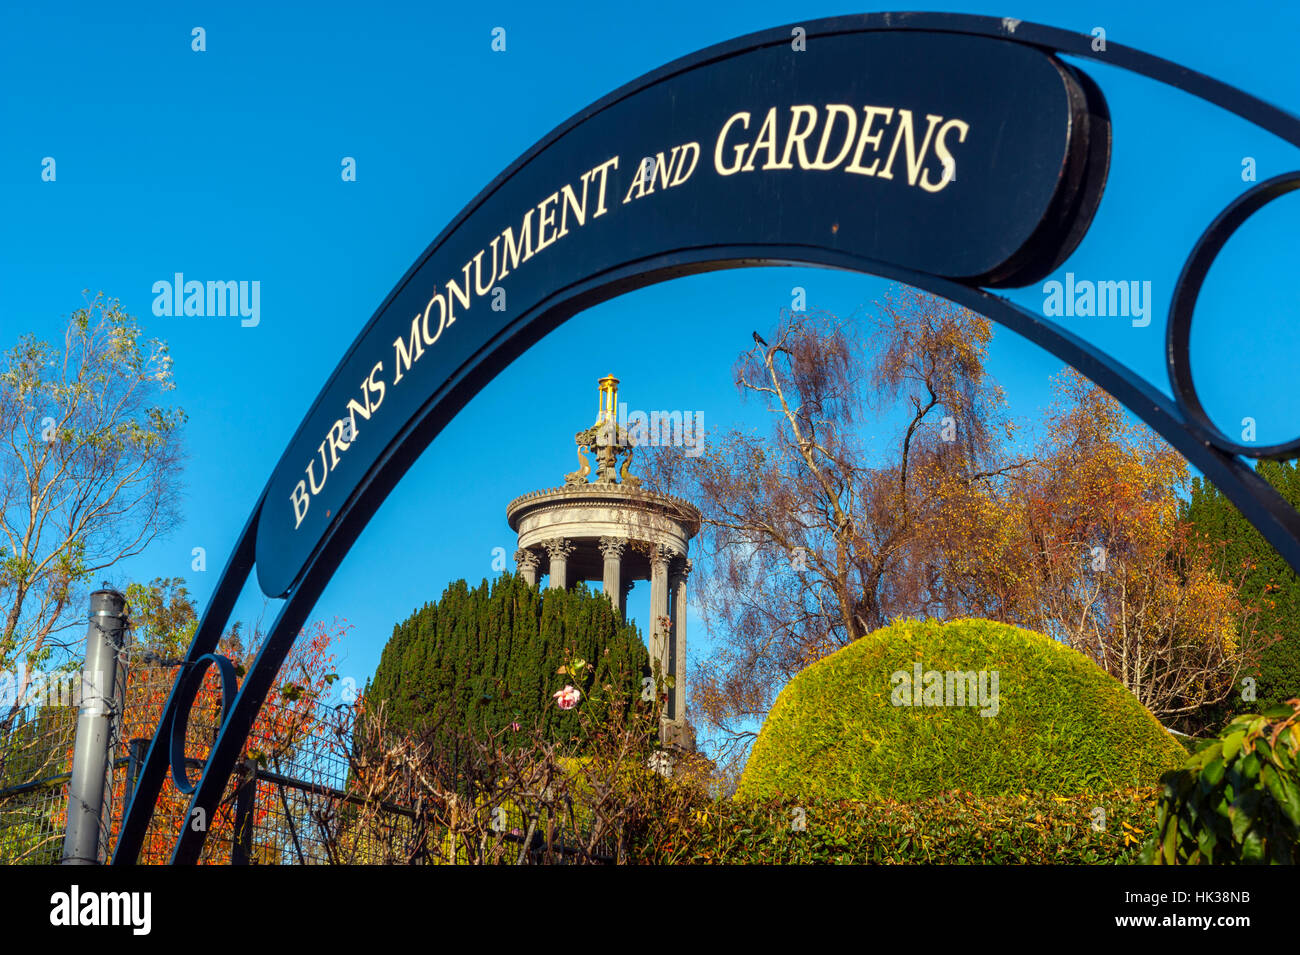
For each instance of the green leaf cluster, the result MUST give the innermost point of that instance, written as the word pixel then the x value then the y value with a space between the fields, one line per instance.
pixel 1237 800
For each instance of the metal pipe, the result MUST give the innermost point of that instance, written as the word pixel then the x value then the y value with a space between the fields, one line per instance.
pixel 99 677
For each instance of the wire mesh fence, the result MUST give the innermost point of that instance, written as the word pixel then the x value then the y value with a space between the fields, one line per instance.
pixel 293 801
pixel 34 769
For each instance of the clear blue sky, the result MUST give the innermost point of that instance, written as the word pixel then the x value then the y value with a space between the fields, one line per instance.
pixel 226 165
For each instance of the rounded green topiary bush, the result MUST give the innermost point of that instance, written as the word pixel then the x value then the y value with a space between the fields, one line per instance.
pixel 1039 718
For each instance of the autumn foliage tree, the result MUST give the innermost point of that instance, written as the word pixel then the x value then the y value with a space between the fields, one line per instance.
pixel 89 458
pixel 1087 544
pixel 813 527
pixel 891 483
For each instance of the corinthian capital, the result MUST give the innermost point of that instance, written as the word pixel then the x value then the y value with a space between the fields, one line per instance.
pixel 663 555
pixel 559 548
pixel 612 547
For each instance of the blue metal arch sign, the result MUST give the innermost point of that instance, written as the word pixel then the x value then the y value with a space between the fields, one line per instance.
pixel 953 153
pixel 865 146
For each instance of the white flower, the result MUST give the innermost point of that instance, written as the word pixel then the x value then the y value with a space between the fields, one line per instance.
pixel 567 698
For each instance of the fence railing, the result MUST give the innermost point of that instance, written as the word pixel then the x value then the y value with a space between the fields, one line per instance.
pixel 290 803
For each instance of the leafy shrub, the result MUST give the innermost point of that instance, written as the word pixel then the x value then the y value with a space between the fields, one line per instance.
pixel 952 828
pixel 516 796
pixel 1238 798
pixel 1061 724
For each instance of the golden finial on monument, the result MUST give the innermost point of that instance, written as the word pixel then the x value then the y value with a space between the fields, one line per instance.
pixel 615 530
pixel 608 399
pixel 606 440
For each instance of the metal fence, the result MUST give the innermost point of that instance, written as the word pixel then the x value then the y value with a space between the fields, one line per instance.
pixel 35 759
pixel 290 803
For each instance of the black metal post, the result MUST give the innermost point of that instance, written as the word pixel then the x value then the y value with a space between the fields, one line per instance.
pixel 136 752
pixel 241 847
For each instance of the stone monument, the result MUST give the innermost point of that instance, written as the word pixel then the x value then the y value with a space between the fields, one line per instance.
pixel 613 530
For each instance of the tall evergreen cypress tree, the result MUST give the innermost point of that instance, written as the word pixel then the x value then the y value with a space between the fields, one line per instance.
pixel 480 660
pixel 1269 580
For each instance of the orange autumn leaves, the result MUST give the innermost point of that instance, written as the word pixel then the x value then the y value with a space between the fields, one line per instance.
pixel 1086 544
pixel 1083 541
pixel 285 723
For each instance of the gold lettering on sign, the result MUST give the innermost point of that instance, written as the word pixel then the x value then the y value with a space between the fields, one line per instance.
pixel 841 134
pixel 766 140
pixel 796 138
pixel 836 109
pixel 914 159
pixel 722 139
pixel 871 113
pixel 541 227
pixel 661 173
pixel 945 157
pixel 846 140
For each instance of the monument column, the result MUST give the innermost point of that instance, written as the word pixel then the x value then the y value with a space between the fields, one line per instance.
pixel 611 548
pixel 528 563
pixel 558 550
pixel 661 557
pixel 605 529
pixel 677 645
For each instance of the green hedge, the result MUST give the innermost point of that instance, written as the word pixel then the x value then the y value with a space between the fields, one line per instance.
pixel 1061 726
pixel 952 828
pixel 480 659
